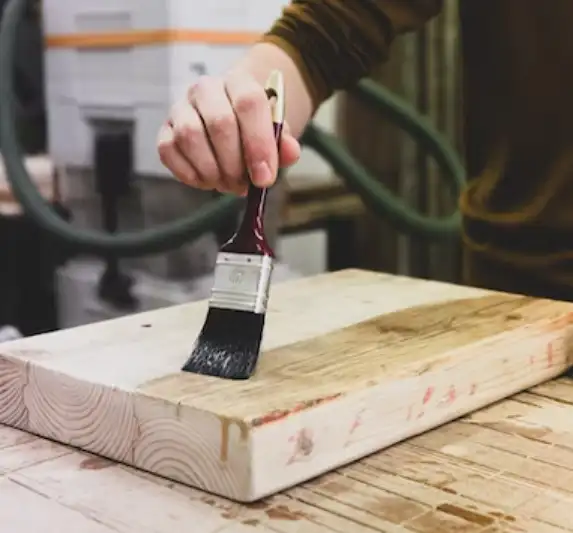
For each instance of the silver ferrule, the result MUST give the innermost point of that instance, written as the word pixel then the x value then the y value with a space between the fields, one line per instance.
pixel 242 282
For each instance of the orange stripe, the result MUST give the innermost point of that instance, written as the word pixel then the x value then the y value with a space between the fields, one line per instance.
pixel 148 37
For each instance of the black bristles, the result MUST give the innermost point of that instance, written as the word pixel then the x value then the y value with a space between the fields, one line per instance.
pixel 228 345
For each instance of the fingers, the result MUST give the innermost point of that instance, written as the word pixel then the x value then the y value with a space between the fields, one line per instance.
pixel 221 135
pixel 175 161
pixel 192 143
pixel 253 113
pixel 209 100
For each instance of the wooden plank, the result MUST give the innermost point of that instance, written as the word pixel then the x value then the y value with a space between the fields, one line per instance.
pixel 505 469
pixel 410 356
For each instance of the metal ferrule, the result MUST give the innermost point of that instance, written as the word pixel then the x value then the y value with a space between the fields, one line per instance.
pixel 242 282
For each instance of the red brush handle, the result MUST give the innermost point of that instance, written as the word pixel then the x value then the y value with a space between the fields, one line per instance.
pixel 250 237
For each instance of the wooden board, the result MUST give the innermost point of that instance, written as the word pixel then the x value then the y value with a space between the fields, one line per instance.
pixel 505 469
pixel 412 355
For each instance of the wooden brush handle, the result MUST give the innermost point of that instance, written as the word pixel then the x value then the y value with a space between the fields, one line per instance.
pixel 250 237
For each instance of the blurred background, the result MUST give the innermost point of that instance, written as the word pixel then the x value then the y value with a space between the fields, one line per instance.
pixel 95 79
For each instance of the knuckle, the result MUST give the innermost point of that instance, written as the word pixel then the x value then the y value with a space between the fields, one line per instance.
pixel 221 125
pixel 248 102
pixel 187 134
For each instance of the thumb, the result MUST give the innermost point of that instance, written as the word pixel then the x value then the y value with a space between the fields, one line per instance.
pixel 289 149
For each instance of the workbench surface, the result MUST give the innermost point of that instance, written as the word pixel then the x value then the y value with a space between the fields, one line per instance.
pixel 507 468
pixel 352 362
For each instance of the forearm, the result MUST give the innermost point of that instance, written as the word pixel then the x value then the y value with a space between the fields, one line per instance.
pixel 264 57
pixel 335 43
pixel 327 45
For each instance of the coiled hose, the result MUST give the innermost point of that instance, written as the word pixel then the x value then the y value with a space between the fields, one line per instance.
pixel 171 235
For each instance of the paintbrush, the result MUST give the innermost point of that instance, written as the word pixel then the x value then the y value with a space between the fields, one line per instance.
pixel 229 343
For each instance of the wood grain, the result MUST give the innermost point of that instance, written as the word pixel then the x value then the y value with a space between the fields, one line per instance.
pixel 505 469
pixel 394 357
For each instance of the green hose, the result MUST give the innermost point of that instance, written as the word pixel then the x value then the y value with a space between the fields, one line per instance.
pixel 380 199
pixel 126 244
pixel 168 236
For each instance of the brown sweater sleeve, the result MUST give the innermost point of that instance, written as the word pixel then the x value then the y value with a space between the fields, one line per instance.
pixel 335 43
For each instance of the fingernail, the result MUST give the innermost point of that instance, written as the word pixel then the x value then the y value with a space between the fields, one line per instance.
pixel 261 174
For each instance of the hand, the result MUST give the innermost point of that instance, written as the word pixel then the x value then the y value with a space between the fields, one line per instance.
pixel 221 135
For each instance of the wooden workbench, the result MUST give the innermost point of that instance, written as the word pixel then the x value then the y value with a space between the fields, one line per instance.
pixel 505 469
